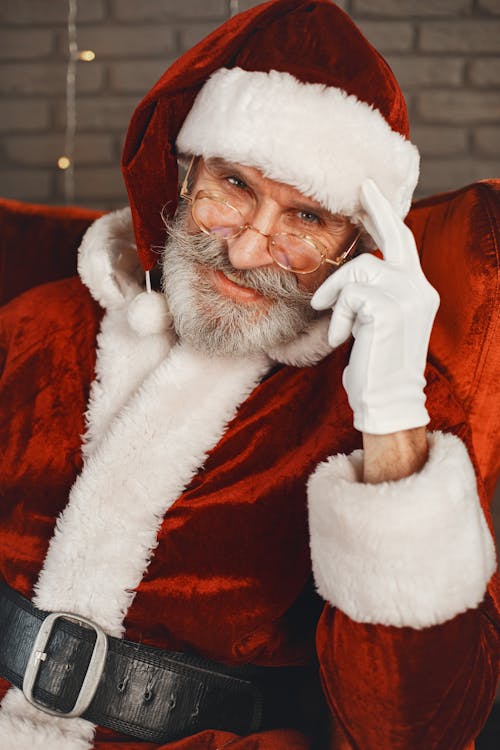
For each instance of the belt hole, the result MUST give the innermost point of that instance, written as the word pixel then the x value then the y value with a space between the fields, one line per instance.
pixel 122 685
pixel 171 702
pixel 148 694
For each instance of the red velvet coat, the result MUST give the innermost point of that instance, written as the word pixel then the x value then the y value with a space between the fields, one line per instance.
pixel 230 578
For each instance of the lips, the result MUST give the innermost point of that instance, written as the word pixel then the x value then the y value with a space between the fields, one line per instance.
pixel 235 290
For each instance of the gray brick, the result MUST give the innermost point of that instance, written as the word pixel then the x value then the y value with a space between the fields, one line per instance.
pixel 25 45
pixel 467 35
pixel 492 6
pixel 405 8
pixel 159 10
pixel 193 33
pixel 99 182
pixel 438 140
pixel 136 77
pixel 27 115
pixel 104 113
pixel 47 78
pixel 389 36
pixel 247 4
pixel 416 70
pixel 485 72
pixel 44 150
pixel 128 42
pixel 487 141
pixel 441 174
pixel 459 106
pixel 48 12
pixel 25 184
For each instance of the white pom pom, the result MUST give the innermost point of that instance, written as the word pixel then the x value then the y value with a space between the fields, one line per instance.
pixel 148 313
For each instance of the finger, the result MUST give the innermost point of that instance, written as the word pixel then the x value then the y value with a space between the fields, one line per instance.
pixel 391 234
pixel 363 269
pixel 381 218
pixel 341 323
pixel 351 310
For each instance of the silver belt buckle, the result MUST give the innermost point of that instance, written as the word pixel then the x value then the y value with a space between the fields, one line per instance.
pixel 94 669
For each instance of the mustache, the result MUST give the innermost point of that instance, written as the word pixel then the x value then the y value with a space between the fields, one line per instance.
pixel 211 252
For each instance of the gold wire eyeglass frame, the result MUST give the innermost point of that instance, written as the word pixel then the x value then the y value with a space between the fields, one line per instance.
pixel 184 194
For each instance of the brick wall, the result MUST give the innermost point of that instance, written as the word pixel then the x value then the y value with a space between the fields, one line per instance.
pixel 446 54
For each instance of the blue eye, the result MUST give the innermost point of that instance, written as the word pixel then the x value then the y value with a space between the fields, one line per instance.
pixel 236 181
pixel 309 217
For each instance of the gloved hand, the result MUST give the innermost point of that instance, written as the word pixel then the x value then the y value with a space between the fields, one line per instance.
pixel 389 307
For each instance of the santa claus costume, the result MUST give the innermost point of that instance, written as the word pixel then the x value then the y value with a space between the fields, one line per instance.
pixel 211 498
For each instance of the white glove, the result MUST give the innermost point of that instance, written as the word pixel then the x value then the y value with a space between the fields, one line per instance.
pixel 389 307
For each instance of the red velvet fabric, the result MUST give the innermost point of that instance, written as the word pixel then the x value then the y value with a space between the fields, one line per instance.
pixel 248 534
pixel 230 578
pixel 314 41
pixel 38 244
pixel 458 236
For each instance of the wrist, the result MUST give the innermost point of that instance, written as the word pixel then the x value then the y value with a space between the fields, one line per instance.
pixel 394 455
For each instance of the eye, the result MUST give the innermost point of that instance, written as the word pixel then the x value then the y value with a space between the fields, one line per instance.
pixel 236 181
pixel 309 217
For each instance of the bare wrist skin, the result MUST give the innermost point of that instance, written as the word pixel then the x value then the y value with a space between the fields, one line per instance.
pixel 394 456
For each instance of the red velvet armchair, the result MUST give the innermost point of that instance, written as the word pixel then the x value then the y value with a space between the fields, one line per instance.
pixel 457 233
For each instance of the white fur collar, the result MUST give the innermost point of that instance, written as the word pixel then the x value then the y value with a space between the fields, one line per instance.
pixel 109 267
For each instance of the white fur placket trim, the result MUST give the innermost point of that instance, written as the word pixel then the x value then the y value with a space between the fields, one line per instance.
pixel 134 471
pixel 150 452
pixel 124 359
pixel 414 552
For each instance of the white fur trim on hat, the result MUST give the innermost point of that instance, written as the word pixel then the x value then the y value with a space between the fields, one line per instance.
pixel 148 313
pixel 316 138
pixel 414 552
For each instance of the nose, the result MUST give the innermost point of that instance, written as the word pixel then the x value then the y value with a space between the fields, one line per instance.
pixel 250 248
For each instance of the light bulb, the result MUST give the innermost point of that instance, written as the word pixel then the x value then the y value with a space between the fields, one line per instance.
pixel 63 162
pixel 87 55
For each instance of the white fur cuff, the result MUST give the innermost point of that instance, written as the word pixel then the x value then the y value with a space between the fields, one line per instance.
pixel 414 552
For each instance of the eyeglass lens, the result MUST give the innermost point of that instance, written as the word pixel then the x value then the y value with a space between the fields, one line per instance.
pixel 291 252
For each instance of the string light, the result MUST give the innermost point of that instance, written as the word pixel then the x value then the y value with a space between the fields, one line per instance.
pixel 66 162
pixel 87 55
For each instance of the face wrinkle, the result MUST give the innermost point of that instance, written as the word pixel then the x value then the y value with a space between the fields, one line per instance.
pixel 208 320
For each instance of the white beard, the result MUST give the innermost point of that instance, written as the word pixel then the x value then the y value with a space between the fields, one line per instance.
pixel 214 323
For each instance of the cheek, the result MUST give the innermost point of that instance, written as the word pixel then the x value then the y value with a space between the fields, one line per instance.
pixel 312 281
pixel 190 225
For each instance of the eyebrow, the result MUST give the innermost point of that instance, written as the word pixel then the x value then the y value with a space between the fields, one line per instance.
pixel 336 220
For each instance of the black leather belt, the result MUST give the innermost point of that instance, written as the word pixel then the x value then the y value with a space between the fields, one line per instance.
pixel 73 669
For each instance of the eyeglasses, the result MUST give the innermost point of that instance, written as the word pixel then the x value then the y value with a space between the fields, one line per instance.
pixel 217 217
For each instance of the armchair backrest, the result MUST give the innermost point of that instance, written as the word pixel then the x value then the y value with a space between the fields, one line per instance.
pixel 458 236
pixel 38 244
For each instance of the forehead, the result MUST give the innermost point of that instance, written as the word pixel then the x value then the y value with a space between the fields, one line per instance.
pixel 258 182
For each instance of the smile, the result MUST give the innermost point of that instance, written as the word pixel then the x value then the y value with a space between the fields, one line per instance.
pixel 230 285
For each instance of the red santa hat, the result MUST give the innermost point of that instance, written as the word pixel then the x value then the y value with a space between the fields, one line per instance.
pixel 291 87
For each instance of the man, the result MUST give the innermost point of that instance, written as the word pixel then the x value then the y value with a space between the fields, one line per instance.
pixel 216 417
